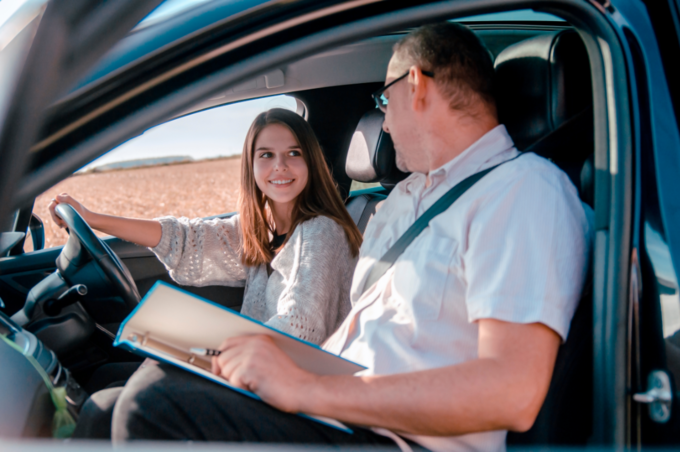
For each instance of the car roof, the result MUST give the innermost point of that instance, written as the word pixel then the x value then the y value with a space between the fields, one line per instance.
pixel 176 20
pixel 361 62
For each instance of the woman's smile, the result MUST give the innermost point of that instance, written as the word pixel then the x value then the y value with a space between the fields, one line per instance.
pixel 282 182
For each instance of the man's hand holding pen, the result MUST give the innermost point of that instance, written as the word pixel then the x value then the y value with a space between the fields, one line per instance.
pixel 256 364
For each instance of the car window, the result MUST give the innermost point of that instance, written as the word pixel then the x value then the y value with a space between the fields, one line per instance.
pixel 356 185
pixel 188 166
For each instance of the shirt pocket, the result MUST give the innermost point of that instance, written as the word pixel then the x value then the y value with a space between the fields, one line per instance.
pixel 421 274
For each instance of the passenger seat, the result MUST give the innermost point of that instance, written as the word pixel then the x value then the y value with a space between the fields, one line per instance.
pixel 544 98
pixel 370 158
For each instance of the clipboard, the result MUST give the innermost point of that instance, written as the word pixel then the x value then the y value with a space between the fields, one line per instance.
pixel 169 321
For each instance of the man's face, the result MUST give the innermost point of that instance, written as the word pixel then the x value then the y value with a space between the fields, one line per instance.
pixel 400 121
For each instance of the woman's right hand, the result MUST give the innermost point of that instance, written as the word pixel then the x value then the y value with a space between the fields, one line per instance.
pixel 65 198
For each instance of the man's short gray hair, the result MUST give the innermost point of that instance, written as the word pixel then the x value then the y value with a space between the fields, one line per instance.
pixel 461 63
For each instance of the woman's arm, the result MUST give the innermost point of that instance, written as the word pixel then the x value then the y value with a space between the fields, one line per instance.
pixel 201 252
pixel 195 252
pixel 142 232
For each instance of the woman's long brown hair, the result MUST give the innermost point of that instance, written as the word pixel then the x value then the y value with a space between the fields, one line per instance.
pixel 319 197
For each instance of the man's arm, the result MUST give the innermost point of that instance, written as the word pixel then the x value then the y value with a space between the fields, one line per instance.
pixel 503 389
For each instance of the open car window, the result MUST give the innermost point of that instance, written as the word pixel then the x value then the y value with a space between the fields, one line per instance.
pixel 189 166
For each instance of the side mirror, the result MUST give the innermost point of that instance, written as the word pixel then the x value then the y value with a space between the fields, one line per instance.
pixel 37 229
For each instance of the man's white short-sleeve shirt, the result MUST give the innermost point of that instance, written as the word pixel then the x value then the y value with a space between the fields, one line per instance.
pixel 515 247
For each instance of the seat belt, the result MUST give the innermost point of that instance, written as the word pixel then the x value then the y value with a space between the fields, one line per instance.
pixel 442 204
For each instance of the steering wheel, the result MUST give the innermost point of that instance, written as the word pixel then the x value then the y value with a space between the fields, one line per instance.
pixel 84 246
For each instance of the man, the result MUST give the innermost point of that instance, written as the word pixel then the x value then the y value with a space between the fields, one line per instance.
pixel 460 336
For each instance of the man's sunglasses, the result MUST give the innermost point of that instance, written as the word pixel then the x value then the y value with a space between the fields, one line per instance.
pixel 379 96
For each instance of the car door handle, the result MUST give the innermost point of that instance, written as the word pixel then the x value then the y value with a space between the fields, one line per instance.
pixel 653 396
pixel 658 396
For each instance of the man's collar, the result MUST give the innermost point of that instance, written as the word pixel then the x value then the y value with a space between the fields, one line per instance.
pixel 471 160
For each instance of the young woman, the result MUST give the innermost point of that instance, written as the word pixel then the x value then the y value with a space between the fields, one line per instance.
pixel 293 244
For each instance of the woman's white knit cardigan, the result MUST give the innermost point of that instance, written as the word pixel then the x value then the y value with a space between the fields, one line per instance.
pixel 307 293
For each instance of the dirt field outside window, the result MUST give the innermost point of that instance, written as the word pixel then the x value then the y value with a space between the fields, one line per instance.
pixel 197 189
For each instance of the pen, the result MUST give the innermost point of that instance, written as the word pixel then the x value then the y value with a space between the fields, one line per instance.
pixel 204 351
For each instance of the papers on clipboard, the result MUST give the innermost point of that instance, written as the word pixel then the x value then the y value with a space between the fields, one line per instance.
pixel 169 321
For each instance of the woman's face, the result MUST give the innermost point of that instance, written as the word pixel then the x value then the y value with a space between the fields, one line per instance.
pixel 279 168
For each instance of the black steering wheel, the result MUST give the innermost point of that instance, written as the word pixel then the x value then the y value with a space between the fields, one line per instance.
pixel 84 247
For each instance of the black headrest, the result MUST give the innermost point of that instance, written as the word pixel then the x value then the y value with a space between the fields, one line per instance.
pixel 541 83
pixel 371 155
pixel 587 188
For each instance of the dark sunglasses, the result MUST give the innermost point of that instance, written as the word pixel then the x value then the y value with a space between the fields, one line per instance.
pixel 379 96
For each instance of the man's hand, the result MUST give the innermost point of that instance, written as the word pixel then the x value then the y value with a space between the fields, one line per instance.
pixel 503 389
pixel 256 364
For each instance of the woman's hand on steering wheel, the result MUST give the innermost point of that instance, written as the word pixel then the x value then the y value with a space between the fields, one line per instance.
pixel 65 198
pixel 85 248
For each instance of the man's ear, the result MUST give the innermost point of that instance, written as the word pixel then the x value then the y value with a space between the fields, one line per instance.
pixel 418 86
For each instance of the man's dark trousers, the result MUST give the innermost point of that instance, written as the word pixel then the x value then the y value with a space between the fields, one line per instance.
pixel 167 403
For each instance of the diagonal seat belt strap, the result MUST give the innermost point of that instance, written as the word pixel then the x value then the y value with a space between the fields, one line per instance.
pixel 441 205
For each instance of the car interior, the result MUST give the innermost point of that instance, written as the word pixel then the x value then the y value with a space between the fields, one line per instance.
pixel 544 97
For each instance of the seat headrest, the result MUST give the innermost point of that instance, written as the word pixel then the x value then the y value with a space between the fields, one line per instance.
pixel 542 82
pixel 371 156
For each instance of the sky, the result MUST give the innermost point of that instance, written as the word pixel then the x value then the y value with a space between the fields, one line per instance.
pixel 9 7
pixel 219 131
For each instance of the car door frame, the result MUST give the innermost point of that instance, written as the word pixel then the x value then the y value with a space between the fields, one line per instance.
pixel 613 159
pixel 657 166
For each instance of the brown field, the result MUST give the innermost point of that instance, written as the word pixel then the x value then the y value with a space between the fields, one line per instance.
pixel 191 190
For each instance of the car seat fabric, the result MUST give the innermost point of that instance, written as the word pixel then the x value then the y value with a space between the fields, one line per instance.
pixel 544 94
pixel 541 83
pixel 544 98
pixel 371 158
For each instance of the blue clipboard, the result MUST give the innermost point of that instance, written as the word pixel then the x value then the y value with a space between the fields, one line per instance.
pixel 169 321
